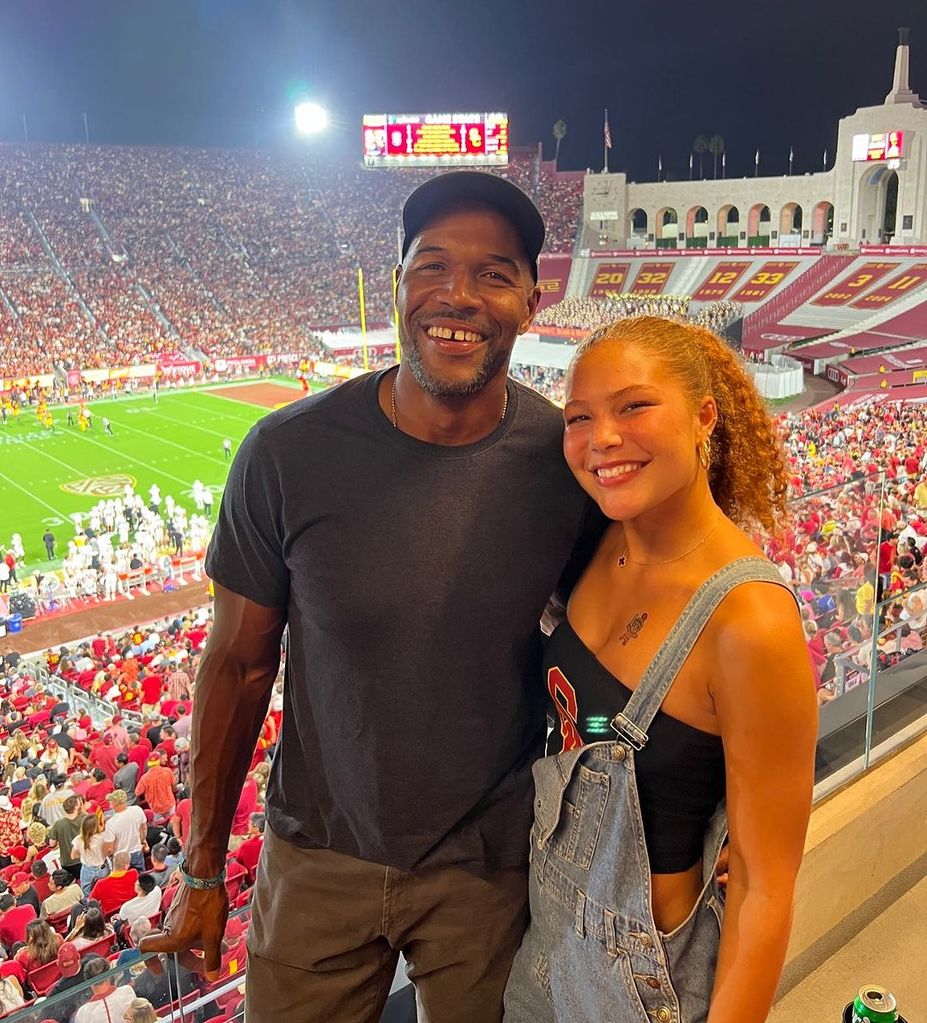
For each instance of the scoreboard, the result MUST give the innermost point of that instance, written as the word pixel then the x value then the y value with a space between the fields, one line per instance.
pixel 888 145
pixel 436 140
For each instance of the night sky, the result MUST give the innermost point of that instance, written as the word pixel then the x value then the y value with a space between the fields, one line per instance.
pixel 224 72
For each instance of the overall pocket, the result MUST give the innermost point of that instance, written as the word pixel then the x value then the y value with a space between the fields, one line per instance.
pixel 582 809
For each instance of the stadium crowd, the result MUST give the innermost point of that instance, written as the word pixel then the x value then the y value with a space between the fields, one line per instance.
pixel 591 313
pixel 94 813
pixel 111 255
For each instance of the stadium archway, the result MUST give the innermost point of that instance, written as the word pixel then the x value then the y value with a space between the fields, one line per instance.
pixel 790 221
pixel 728 225
pixel 638 224
pixel 822 223
pixel 877 204
pixel 758 224
pixel 697 227
pixel 667 224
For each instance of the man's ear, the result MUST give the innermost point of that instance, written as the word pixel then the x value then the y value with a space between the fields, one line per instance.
pixel 533 300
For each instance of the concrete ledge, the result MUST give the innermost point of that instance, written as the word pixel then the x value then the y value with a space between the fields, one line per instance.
pixel 867 845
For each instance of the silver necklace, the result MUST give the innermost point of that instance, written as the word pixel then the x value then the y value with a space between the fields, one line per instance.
pixel 392 405
pixel 625 557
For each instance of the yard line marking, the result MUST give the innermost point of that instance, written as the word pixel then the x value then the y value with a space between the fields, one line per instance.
pixel 182 447
pixel 28 493
pixel 148 465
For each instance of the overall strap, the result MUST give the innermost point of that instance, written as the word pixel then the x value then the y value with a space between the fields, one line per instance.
pixel 632 723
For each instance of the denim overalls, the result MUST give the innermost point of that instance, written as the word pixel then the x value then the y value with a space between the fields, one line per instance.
pixel 592 953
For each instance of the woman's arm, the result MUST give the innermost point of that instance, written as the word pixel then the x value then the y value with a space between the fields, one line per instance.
pixel 764 696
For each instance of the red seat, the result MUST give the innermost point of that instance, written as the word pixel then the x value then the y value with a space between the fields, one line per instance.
pixel 234 879
pixel 42 977
pixel 101 947
pixel 59 922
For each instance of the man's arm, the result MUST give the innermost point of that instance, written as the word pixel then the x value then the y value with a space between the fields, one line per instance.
pixel 234 683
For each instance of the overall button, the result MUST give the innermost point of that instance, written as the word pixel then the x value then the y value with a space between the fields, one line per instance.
pixel 647 942
pixel 619 754
pixel 653 982
pixel 663 1014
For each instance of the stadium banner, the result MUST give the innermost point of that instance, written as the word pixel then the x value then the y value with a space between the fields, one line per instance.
pixel 73 378
pixel 240 363
pixel 747 252
pixel 720 281
pixel 42 379
pixel 764 281
pixel 854 284
pixel 336 369
pixel 180 369
pixel 651 279
pixel 912 277
pixel 283 359
pixel 609 279
pixel 553 274
pixel 837 375
pixel 893 250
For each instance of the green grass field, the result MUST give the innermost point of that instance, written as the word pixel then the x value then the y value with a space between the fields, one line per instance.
pixel 170 443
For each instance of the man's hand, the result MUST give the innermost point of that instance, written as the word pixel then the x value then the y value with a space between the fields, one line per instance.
pixel 196 919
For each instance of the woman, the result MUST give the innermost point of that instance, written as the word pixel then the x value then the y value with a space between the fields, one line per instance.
pixel 682 638
pixel 88 847
pixel 89 927
pixel 41 945
pixel 140 1010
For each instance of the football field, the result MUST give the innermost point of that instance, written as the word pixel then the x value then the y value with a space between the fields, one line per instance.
pixel 47 475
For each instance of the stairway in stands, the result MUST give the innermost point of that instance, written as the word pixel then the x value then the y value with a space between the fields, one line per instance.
pixel 825 268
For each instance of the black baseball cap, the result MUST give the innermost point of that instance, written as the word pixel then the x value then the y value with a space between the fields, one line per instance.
pixel 436 193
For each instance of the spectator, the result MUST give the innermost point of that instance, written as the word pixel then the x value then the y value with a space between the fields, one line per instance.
pixel 88 846
pixel 65 893
pixel 69 965
pixel 41 945
pixel 23 892
pixel 140 1010
pixel 126 777
pixel 126 831
pixel 62 833
pixel 145 903
pixel 117 887
pixel 157 787
pixel 41 879
pixel 89 927
pixel 13 920
pixel 249 852
pixel 160 870
pixel 109 1002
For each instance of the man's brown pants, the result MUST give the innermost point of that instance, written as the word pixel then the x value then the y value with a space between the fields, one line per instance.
pixel 328 929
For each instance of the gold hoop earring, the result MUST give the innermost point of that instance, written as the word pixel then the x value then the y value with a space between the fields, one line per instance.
pixel 703 451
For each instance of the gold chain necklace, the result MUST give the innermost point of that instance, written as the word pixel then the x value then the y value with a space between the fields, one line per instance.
pixel 392 404
pixel 624 558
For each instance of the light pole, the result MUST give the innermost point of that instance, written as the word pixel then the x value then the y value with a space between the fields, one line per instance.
pixel 310 118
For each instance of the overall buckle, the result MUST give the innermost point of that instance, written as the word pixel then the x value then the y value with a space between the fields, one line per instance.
pixel 628 731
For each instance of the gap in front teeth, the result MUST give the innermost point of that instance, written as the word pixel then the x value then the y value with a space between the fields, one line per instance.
pixel 446 334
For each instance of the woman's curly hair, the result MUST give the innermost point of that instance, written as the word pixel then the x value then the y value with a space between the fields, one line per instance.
pixel 747 473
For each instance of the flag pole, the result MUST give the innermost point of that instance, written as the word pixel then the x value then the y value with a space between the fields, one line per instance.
pixel 363 316
pixel 606 142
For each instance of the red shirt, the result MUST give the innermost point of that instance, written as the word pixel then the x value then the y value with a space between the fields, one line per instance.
pixel 104 757
pixel 183 812
pixel 139 755
pixel 13 924
pixel 247 804
pixel 112 891
pixel 40 884
pixel 249 852
pixel 99 791
pixel 151 689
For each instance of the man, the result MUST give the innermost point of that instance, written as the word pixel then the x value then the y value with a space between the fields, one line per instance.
pixel 65 893
pixel 41 879
pixel 249 852
pixel 126 831
pixel 23 892
pixel 414 703
pixel 126 778
pixel 62 833
pixel 69 965
pixel 117 887
pixel 13 920
pixel 108 1002
pixel 48 538
pixel 156 786
pixel 227 448
pixel 160 869
pixel 146 902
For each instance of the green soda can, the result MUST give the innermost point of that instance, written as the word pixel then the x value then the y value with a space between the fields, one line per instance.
pixel 873 1004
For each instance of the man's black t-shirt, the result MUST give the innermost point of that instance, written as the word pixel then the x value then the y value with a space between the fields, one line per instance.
pixel 414 577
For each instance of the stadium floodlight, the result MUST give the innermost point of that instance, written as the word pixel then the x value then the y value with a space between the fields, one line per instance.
pixel 310 118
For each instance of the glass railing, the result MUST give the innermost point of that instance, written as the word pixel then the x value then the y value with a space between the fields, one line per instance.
pixel 866 631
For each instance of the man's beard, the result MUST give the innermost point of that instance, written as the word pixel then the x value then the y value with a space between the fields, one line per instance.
pixel 493 361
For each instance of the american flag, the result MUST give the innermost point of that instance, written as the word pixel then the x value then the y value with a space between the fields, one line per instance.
pixel 608 133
